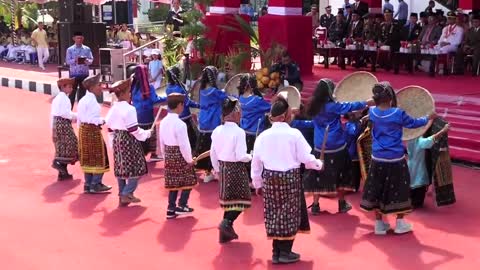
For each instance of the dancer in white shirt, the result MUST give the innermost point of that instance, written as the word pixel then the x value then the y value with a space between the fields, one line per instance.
pixel 179 170
pixel 92 148
pixel 229 157
pixel 129 160
pixel 64 138
pixel 277 156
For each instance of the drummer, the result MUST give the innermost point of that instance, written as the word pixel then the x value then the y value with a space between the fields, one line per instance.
pixel 175 86
pixel 336 178
pixel 210 117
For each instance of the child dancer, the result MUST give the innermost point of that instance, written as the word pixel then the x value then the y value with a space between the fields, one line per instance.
pixel 210 117
pixel 179 170
pixel 91 147
pixel 353 129
pixel 229 155
pixel 144 98
pixel 336 177
pixel 64 138
pixel 387 188
pixel 420 179
pixel 129 160
pixel 175 86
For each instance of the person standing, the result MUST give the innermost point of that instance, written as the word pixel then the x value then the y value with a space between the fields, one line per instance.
pixel 229 156
pixel 92 149
pixel 39 37
pixel 125 136
pixel 315 20
pixel 360 7
pixel 155 68
pixel 179 170
pixel 344 8
pixel 402 13
pixel 327 19
pixel 430 7
pixel 277 156
pixel 174 17
pixel 79 57
pixel 388 6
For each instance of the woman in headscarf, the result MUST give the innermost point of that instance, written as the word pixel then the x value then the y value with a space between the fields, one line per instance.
pixel 144 98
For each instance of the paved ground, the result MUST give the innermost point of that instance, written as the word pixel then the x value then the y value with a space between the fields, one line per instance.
pixel 49 225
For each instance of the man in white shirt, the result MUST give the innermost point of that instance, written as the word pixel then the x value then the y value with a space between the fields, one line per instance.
pixel 179 170
pixel 92 149
pixel 452 35
pixel 229 157
pixel 277 156
pixel 39 37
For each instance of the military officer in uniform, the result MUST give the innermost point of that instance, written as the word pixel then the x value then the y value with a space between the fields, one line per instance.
pixel 390 35
pixel 337 30
pixel 327 19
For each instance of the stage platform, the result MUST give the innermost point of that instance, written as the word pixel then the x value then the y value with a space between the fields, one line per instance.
pixel 457 97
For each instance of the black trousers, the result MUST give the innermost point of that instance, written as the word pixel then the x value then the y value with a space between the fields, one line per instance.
pixel 78 87
pixel 231 215
pixel 282 245
pixel 417 195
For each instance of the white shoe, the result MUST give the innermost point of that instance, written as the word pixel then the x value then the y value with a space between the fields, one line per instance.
pixel 381 227
pixel 42 68
pixel 208 178
pixel 403 227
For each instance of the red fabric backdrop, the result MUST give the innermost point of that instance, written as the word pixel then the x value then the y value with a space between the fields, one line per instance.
pixel 293 32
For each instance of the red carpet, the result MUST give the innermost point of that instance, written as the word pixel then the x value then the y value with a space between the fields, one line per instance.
pixel 49 225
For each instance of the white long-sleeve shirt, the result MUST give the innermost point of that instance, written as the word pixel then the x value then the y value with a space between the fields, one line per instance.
pixel 89 111
pixel 123 116
pixel 281 148
pixel 452 34
pixel 228 144
pixel 174 133
pixel 62 107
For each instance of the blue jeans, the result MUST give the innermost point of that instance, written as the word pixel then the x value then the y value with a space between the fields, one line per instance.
pixel 182 202
pixel 93 179
pixel 127 187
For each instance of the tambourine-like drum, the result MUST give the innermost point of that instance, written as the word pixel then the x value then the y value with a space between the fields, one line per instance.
pixel 231 88
pixel 355 87
pixel 416 101
pixel 292 95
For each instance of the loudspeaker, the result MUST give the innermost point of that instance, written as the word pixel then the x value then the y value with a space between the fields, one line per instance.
pixel 121 12
pixel 75 11
pixel 95 38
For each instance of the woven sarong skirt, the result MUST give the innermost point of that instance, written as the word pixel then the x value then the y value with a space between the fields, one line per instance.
pixel 92 149
pixel 178 174
pixel 337 174
pixel 285 208
pixel 387 188
pixel 65 141
pixel 204 142
pixel 235 192
pixel 129 159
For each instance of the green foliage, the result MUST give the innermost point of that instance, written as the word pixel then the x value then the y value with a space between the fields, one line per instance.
pixel 159 14
pixel 173 49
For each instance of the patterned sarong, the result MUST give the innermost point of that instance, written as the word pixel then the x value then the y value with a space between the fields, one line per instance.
pixel 178 174
pixel 235 192
pixel 65 141
pixel 92 149
pixel 129 160
pixel 285 208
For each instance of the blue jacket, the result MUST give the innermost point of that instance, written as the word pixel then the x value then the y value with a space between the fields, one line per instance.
pixel 144 107
pixel 307 129
pixel 352 130
pixel 331 116
pixel 210 116
pixel 387 131
pixel 254 109
pixel 188 102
